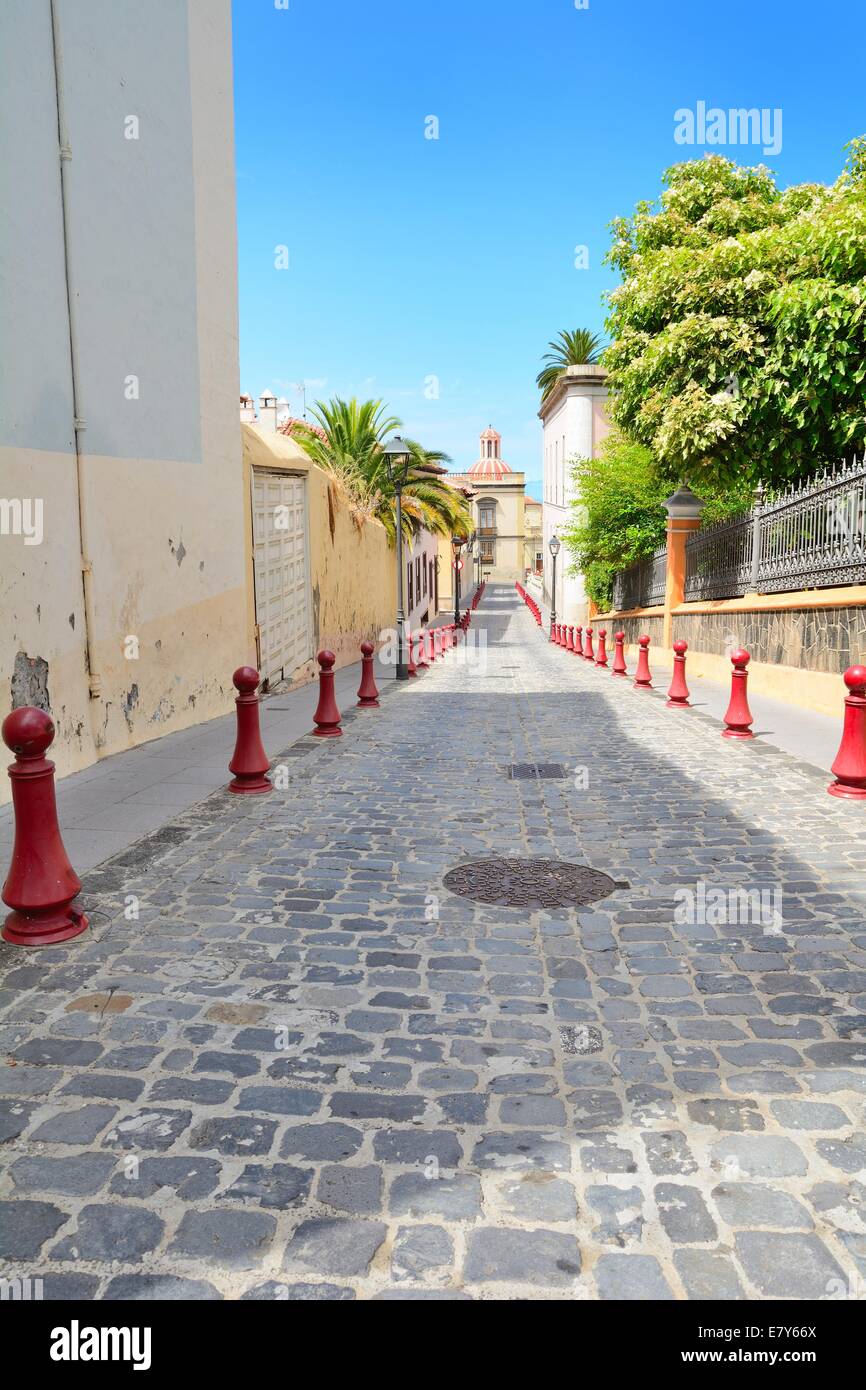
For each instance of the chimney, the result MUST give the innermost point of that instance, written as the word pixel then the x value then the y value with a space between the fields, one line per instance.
pixel 248 409
pixel 268 412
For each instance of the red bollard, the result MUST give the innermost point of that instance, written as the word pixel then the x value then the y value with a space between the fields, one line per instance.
pixel 431 647
pixel 738 716
pixel 678 695
pixel 587 644
pixel 553 632
pixel 327 716
pixel 41 885
pixel 411 668
pixel 578 641
pixel 421 659
pixel 249 761
pixel 849 768
pixel 601 659
pixel 569 638
pixel 642 676
pixel 368 694
pixel 619 667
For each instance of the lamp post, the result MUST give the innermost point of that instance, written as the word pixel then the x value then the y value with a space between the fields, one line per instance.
pixel 457 543
pixel 397 460
pixel 554 547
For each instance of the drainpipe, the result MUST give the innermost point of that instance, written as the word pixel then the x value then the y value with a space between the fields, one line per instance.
pixel 78 420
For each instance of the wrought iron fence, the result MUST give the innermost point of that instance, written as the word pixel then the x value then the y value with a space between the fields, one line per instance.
pixel 642 585
pixel 719 560
pixel 812 536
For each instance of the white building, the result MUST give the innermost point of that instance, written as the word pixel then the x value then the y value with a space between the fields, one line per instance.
pixel 575 422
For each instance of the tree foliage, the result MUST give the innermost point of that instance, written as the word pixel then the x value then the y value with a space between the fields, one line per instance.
pixel 739 330
pixel 576 347
pixel 348 445
pixel 618 516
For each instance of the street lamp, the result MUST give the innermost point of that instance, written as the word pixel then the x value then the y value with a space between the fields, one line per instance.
pixel 554 548
pixel 397 459
pixel 457 542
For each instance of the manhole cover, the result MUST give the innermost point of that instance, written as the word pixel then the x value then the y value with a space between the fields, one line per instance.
pixel 529 883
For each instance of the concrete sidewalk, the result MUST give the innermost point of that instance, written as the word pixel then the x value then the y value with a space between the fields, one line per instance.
pixel 109 806
pixel 811 738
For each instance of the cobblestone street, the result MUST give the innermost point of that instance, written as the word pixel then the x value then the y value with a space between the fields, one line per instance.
pixel 287 1062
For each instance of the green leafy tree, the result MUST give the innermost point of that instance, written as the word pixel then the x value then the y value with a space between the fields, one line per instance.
pixel 739 330
pixel 618 516
pixel 572 348
pixel 348 445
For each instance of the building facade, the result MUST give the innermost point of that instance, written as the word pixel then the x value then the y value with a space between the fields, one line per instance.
pixel 575 424
pixel 498 509
pixel 533 515
pixel 125 617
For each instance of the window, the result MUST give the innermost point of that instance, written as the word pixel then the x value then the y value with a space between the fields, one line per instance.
pixel 487 516
pixel 487 551
pixel 418 578
pixel 424 572
pixel 410 603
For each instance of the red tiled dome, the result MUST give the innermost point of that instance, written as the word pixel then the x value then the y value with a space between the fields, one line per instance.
pixel 489 468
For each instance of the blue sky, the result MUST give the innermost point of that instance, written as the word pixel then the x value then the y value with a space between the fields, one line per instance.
pixel 411 258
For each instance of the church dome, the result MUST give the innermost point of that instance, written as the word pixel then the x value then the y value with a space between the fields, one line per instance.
pixel 489 468
pixel 490 465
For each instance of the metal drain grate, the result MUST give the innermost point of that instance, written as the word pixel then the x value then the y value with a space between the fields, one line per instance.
pixel 532 883
pixel 526 772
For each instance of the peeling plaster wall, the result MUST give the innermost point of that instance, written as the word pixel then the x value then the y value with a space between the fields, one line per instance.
pixel 152 262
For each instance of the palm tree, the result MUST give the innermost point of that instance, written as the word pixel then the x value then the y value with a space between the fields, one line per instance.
pixel 351 451
pixel 575 348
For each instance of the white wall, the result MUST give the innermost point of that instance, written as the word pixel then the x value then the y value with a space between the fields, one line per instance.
pixel 151 259
pixel 425 548
pixel 574 425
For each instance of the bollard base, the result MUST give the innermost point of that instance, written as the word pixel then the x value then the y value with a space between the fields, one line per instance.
pixel 255 786
pixel 368 702
pixel 848 793
pixel 45 928
pixel 677 704
pixel 327 733
pixel 737 733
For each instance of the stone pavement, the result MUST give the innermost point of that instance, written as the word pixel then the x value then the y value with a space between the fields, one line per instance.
pixel 288 1062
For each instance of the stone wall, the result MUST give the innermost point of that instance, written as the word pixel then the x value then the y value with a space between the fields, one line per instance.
pixel 813 639
pixel 650 625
